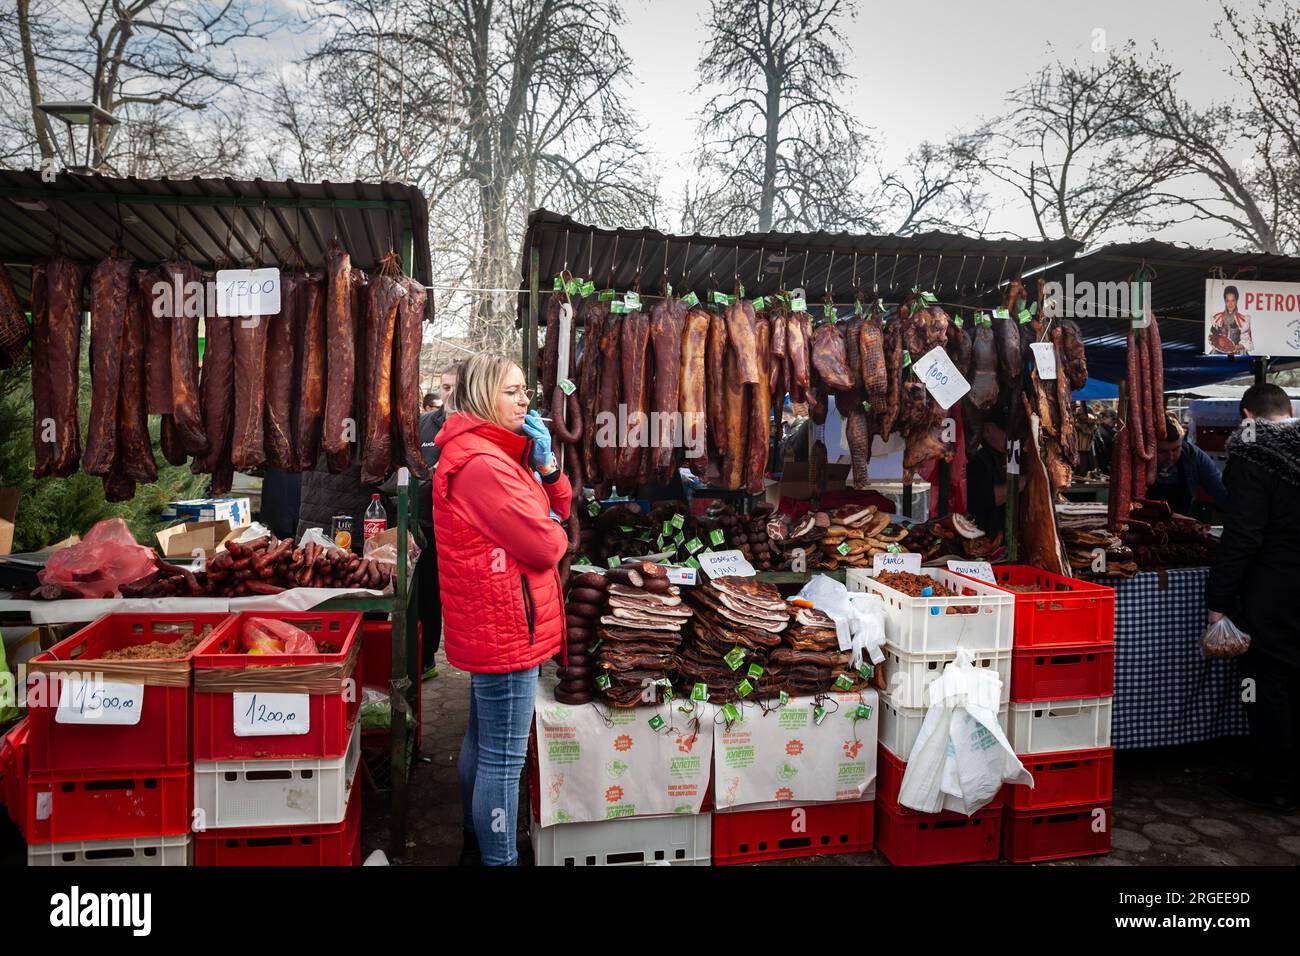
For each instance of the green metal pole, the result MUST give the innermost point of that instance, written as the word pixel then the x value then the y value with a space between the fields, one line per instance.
pixel 530 326
pixel 399 681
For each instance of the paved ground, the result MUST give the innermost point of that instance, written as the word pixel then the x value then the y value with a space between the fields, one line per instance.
pixel 1167 810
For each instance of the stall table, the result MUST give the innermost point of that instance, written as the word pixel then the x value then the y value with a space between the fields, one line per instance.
pixel 1166 692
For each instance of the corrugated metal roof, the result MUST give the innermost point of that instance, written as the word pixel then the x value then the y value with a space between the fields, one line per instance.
pixel 207 220
pixel 953 266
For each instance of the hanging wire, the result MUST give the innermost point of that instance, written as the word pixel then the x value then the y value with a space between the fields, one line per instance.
pixel 937 269
pixel 894 273
pixel 956 286
pixel 830 269
pixel 785 254
pixel 875 282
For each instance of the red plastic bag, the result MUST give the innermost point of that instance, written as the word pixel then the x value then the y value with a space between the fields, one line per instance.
pixel 266 635
pixel 105 559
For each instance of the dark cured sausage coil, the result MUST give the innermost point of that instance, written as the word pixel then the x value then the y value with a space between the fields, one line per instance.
pixel 280 372
pixel 385 297
pixel 406 385
pixel 340 366
pixel 110 294
pixel 247 449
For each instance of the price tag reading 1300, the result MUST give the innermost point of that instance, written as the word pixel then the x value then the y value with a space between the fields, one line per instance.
pixel 271 715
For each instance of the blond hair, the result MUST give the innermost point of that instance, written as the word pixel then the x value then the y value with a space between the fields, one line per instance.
pixel 478 382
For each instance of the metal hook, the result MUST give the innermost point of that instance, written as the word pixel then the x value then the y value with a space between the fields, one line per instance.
pixel 591 254
pixel 565 267
pixel 612 259
pixel 937 269
pixel 855 273
pixel 875 282
pixel 916 280
pixel 978 274
pixel 803 278
pixel 685 260
pixel 636 280
pixel 956 286
pixel 830 269
pixel 897 256
pixel 785 254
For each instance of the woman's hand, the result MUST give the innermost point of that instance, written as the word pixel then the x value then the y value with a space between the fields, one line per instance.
pixel 535 429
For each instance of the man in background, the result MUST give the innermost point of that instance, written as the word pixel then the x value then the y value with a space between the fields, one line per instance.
pixel 426 569
pixel 431 402
pixel 1183 470
pixel 1256 567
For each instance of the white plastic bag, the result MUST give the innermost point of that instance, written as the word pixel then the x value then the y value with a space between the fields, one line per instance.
pixel 1223 639
pixel 317 536
pixel 253 532
pixel 859 618
pixel 961 757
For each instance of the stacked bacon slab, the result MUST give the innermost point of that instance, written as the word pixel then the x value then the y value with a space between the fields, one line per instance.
pixel 273 390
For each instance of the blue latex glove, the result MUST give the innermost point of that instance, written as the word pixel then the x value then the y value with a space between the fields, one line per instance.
pixel 535 429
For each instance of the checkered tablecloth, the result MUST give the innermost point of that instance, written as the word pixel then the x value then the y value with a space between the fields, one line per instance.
pixel 1166 692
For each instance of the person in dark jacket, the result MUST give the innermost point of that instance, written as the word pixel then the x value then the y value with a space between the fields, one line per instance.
pixel 1252 581
pixel 324 495
pixel 1183 470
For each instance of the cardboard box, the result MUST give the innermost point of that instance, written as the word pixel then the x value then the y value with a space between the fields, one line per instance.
pixel 238 511
pixel 8 512
pixel 182 540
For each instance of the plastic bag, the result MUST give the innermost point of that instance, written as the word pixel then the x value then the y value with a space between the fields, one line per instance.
pixel 106 558
pixel 1224 639
pixel 253 532
pixel 859 618
pixel 961 757
pixel 317 536
pixel 266 635
pixel 383 548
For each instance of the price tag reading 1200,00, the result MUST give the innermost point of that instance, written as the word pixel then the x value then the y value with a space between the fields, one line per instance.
pixel 271 715
pixel 85 700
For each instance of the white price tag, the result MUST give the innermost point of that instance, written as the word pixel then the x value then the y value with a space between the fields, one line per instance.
pixel 248 292
pixel 1045 360
pixel 943 379
pixel 721 564
pixel 85 700
pixel 906 561
pixel 681 575
pixel 980 570
pixel 271 715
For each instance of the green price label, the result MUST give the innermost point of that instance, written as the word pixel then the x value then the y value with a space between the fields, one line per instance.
pixel 617 308
pixel 895 549
pixel 1033 308
pixel 593 509
pixel 734 657
pixel 700 692
pixel 678 521
pixel 755 671
pixel 587 287
pixel 607 295
pixel 567 387
pixel 1001 314
pixel 799 304
pixel 655 722
pixel 717 537
pixel 591 648
pixel 692 563
pixel 844 549
pixel 729 711
pixel 744 688
pixel 691 298
pixel 720 298
pixel 957 322
pixel 863 712
pixel 583 559
pixel 866 406
pixel 626 529
pixel 785 698
pixel 907 358
pixel 819 714
pixel 866 670
pixel 759 303
pixel 613 562
pixel 929 298
pixel 603 682
pixel 1024 316
pixel 680 539
pixel 668 529
pixel 844 682
pixel 828 312
pixel 695 544
pixel 632 301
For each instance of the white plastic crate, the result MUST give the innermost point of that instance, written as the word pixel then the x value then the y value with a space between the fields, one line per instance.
pixel 273 793
pixel 1046 726
pixel 922 625
pixel 899 726
pixel 141 851
pixel 676 839
pixel 908 675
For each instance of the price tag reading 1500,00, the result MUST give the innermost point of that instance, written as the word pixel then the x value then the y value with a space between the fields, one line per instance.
pixel 86 700
pixel 271 715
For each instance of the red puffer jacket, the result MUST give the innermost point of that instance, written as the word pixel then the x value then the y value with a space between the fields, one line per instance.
pixel 498 547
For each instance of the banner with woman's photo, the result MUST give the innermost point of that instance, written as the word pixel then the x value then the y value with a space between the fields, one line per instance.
pixel 1245 317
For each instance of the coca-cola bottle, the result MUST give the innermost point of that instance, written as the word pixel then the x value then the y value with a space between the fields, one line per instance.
pixel 376 520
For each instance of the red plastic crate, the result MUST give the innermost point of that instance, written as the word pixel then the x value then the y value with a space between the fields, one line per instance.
pixel 937 839
pixel 377 671
pixel 106 804
pixel 1066 611
pixel 1066 778
pixel 889 781
pixel 334 844
pixel 161 738
pixel 1059 834
pixel 13 770
pixel 787 833
pixel 1063 672
pixel 331 716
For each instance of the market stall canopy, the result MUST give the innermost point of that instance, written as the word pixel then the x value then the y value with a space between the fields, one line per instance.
pixel 956 268
pixel 209 221
pixel 1177 274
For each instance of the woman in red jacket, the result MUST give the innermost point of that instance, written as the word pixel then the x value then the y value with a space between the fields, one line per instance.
pixel 503 609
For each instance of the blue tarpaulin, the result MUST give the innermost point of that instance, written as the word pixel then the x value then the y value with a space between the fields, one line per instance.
pixel 1185 367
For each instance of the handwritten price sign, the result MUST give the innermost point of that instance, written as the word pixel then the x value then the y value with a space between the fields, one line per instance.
pixel 271 715
pixel 896 562
pixel 248 292
pixel 943 380
pixel 721 564
pixel 85 700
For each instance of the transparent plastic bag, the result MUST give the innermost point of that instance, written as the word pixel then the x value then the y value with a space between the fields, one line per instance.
pixel 1224 639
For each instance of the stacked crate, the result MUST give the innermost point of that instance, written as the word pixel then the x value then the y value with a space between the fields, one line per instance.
pixel 103 759
pixel 922 637
pixel 1062 685
pixel 276 747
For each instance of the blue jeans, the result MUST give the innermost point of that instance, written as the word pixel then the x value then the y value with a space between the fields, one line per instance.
pixel 492 757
